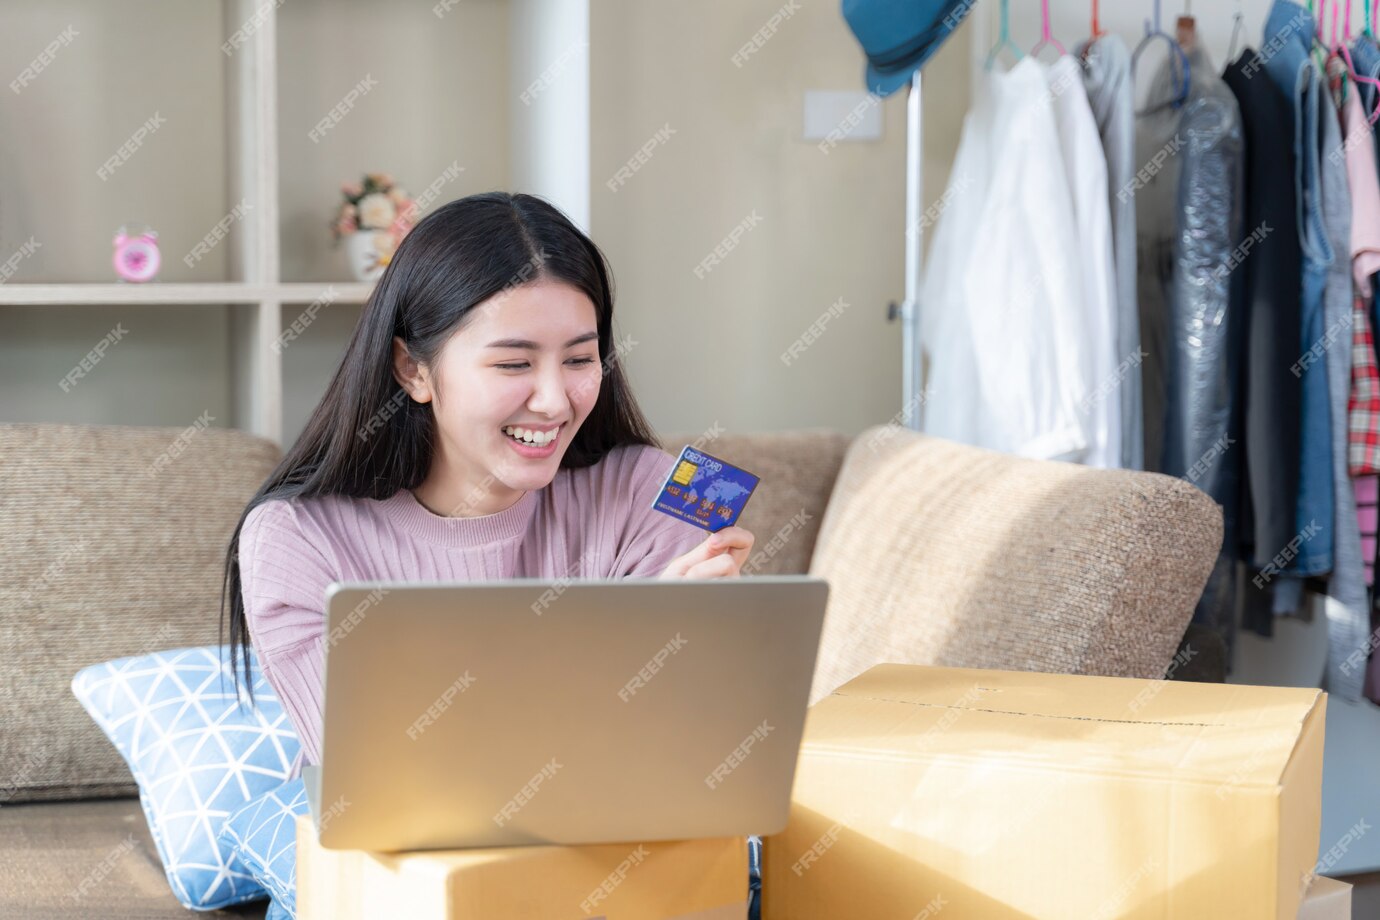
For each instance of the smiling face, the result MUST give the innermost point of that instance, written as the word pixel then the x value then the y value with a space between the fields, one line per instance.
pixel 525 360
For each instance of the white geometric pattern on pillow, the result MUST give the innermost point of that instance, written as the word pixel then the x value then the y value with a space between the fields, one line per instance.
pixel 264 835
pixel 198 755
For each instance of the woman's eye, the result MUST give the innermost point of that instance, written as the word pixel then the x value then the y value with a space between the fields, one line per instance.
pixel 519 366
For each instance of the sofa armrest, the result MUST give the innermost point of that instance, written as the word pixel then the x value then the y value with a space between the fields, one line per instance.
pixel 942 553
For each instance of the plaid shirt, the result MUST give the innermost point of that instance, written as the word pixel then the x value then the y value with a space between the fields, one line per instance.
pixel 1363 409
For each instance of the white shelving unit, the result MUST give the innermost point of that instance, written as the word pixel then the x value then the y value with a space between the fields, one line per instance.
pixel 503 141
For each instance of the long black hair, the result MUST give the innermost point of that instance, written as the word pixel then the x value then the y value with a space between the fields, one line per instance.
pixel 367 438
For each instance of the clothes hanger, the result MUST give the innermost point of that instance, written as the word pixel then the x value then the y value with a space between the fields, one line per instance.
pixel 1343 53
pixel 1004 42
pixel 1095 30
pixel 1047 40
pixel 1319 50
pixel 1238 25
pixel 1153 32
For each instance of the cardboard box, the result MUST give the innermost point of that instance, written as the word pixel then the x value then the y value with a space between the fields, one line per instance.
pixel 925 792
pixel 684 880
pixel 1327 899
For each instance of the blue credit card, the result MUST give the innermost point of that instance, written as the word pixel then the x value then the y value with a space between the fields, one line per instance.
pixel 705 491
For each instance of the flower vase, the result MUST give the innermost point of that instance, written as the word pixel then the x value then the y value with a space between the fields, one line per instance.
pixel 368 252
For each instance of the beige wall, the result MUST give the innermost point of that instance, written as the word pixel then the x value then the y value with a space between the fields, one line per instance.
pixel 831 226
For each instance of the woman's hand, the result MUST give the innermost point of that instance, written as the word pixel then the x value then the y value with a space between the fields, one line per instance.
pixel 721 555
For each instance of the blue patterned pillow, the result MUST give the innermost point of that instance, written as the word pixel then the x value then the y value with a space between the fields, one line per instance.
pixel 264 835
pixel 197 753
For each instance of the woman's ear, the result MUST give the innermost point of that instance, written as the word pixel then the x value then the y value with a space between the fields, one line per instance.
pixel 410 375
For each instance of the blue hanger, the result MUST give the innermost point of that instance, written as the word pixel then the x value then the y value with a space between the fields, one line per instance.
pixel 1153 32
pixel 1004 42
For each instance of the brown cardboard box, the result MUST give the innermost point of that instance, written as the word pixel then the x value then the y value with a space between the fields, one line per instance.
pixel 683 879
pixel 926 792
pixel 1327 899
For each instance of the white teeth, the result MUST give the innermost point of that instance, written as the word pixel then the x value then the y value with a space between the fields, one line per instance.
pixel 537 438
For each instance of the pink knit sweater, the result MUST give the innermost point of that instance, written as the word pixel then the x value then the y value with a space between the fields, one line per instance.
pixel 595 522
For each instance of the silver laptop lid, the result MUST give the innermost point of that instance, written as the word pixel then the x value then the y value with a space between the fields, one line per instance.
pixel 531 711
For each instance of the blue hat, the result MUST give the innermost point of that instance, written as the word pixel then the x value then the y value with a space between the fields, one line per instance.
pixel 898 36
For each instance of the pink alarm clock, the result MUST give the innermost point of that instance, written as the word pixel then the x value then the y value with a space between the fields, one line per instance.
pixel 136 255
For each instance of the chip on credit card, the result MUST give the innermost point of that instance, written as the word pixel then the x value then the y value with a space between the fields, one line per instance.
pixel 705 491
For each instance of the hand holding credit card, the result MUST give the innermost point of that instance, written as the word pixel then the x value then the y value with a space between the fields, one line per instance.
pixel 705 491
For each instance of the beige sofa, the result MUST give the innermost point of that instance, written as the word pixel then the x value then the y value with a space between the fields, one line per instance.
pixel 113 541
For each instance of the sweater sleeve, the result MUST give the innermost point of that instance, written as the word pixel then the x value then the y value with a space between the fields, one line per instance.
pixel 652 539
pixel 284 580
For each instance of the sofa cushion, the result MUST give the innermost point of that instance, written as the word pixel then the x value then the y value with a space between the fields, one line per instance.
pixel 94 859
pixel 199 752
pixel 946 554
pixel 113 545
pixel 797 471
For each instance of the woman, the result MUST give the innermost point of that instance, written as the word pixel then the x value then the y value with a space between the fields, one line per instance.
pixel 479 427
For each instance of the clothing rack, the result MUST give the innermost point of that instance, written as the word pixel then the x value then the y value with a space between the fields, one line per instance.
pixel 1294 657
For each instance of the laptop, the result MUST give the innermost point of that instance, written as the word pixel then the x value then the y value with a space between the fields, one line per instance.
pixel 532 711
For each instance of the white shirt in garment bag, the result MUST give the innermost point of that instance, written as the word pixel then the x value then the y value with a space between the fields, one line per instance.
pixel 1085 167
pixel 1001 314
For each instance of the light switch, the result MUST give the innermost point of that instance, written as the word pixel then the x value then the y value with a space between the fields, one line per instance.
pixel 842 115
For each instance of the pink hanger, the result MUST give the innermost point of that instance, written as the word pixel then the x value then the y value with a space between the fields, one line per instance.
pixel 1045 37
pixel 1340 50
